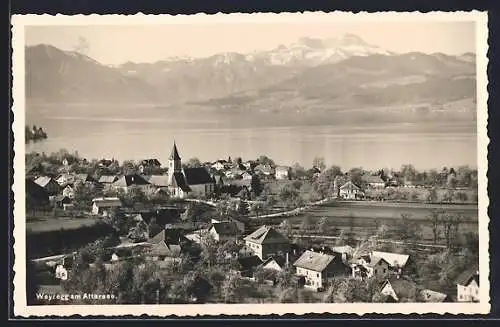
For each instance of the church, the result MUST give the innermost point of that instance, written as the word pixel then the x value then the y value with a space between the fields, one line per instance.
pixel 188 181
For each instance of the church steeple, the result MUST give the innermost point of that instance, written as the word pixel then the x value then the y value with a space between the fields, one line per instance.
pixel 174 155
pixel 174 161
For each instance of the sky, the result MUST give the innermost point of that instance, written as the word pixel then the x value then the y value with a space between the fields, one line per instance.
pixel 117 44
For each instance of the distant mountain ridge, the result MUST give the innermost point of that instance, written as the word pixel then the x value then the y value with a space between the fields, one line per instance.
pixel 310 73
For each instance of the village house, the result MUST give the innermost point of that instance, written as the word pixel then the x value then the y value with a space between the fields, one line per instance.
pixel 266 242
pixel 399 290
pixel 62 201
pixel 188 181
pixel 83 178
pixel 276 263
pixel 241 225
pixel 103 206
pixel 397 261
pixel 246 266
pixel 65 179
pixel 125 182
pixel 159 182
pixel 373 181
pixel 350 191
pixel 68 191
pixel 370 266
pixel 344 251
pixel 224 231
pixel 468 285
pixel 105 163
pixel 318 268
pixel 49 184
pixel 264 170
pixel 64 266
pixel 169 245
pixel 220 165
pixel 246 175
pixel 106 181
pixel 282 172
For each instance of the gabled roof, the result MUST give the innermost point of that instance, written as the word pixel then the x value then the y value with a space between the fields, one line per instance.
pixel 178 180
pixel 283 168
pixel 248 263
pixel 36 192
pixel 372 179
pixel 129 180
pixel 43 181
pixel 83 177
pixel 197 175
pixel 107 179
pixel 169 236
pixel 280 261
pixel 466 277
pixel 65 179
pixel 164 249
pixel 349 186
pixel 174 155
pixel 158 180
pixel 227 228
pixel 266 235
pixel 314 261
pixel 375 260
pixel 393 259
pixel 107 202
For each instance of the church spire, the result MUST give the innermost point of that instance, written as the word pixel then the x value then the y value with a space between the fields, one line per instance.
pixel 174 155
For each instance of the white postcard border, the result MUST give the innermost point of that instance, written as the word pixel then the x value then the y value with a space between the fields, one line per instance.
pixel 19 294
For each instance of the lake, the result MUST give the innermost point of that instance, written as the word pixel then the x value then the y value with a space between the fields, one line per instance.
pixel 138 133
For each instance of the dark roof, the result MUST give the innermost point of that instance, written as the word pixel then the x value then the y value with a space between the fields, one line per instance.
pixel 197 175
pixel 129 180
pixel 164 249
pixel 266 235
pixel 36 192
pixel 467 276
pixel 314 261
pixel 107 179
pixel 226 228
pixel 174 155
pixel 169 236
pixel 280 260
pixel 178 180
pixel 248 263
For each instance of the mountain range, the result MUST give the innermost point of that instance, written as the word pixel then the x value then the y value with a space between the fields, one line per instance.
pixel 310 75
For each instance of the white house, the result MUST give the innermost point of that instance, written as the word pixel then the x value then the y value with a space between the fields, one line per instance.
pixel 468 286
pixel 350 191
pixel 224 231
pixel 266 242
pixel 396 261
pixel 317 268
pixel 373 181
pixel 282 172
pixel 102 206
pixel 68 191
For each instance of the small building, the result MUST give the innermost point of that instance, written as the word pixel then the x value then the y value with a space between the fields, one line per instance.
pixel 400 290
pixel 106 181
pixel 159 182
pixel 377 267
pixel 220 165
pixel 169 244
pixel 125 182
pixel 49 184
pixel 246 175
pixel 318 268
pixel 468 285
pixel 63 267
pixel 65 179
pixel 396 261
pixel 68 191
pixel 282 172
pixel 350 191
pixel 266 242
pixel 102 206
pixel 224 231
pixel 373 181
pixel 276 263
pixel 246 266
pixel 264 170
pixel 345 251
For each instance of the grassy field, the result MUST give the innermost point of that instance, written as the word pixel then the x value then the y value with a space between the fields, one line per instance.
pixel 364 218
pixel 40 225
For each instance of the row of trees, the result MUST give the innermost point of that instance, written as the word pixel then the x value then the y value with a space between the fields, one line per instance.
pixel 34 133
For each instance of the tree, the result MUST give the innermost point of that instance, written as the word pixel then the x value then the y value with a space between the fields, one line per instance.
pixel 264 160
pixel 256 185
pixel 319 162
pixel 432 198
pixel 231 289
pixel 323 225
pixel 436 222
pixel 83 195
pixel 298 172
pixel 193 163
pixel 407 229
pixel 324 184
pixel 286 227
pixel 306 224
